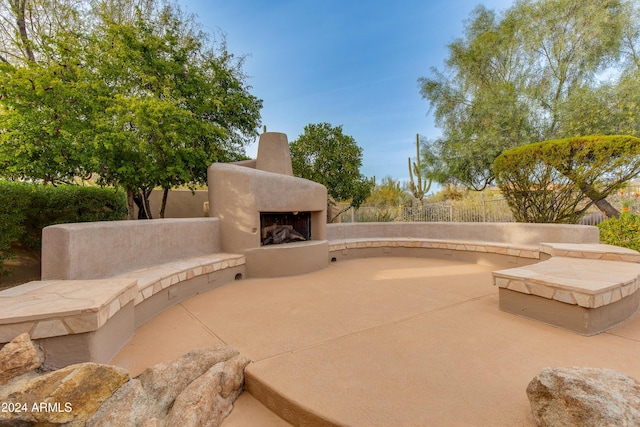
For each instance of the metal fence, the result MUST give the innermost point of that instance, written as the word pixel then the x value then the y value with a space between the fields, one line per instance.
pixel 493 210
pixel 485 211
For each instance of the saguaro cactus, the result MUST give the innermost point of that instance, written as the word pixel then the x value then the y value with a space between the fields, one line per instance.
pixel 420 187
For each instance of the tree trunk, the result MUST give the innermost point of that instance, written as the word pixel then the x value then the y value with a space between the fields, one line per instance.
pixel 599 201
pixel 18 7
pixel 165 195
pixel 130 204
pixel 606 207
pixel 141 198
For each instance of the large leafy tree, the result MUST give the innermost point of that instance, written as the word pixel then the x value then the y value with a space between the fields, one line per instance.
pixel 324 154
pixel 171 105
pixel 522 77
pixel 135 93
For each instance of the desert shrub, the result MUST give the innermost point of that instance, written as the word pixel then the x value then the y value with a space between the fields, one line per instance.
pixel 380 215
pixel 25 209
pixel 557 181
pixel 622 231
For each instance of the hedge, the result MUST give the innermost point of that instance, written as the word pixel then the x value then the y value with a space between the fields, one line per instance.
pixel 622 231
pixel 556 181
pixel 25 209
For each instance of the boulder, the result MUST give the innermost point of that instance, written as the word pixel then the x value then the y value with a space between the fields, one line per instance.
pixel 197 389
pixel 165 381
pixel 129 406
pixel 68 396
pixel 584 397
pixel 209 398
pixel 18 357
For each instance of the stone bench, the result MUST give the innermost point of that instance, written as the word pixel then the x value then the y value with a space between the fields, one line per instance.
pixel 587 288
pixel 497 244
pixel 103 280
pixel 491 253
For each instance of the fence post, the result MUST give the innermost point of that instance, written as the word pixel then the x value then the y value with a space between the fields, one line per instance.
pixel 484 210
pixel 450 213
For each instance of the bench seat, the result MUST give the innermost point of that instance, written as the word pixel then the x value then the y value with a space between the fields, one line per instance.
pixel 151 280
pixel 590 251
pixel 588 296
pixel 53 308
pixel 96 317
pixel 512 253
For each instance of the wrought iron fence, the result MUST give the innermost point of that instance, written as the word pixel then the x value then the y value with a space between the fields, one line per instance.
pixel 493 210
pixel 485 211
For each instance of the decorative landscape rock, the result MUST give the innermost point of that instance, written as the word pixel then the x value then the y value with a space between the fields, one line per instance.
pixel 129 406
pixel 198 389
pixel 18 357
pixel 209 398
pixel 68 396
pixel 165 381
pixel 584 397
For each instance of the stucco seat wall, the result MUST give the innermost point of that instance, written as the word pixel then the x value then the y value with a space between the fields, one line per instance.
pixel 95 250
pixel 102 280
pixel 498 244
pixel 516 234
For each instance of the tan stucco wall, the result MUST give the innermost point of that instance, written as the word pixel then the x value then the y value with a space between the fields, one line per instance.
pixel 287 260
pixel 273 154
pixel 516 233
pixel 95 250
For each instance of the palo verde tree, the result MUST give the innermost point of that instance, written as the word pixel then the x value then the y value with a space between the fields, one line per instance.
pixel 324 154
pixel 524 76
pixel 558 180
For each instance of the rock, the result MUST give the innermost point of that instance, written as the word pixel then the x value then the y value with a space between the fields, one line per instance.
pixel 18 357
pixel 165 381
pixel 584 397
pixel 209 398
pixel 68 396
pixel 197 389
pixel 129 406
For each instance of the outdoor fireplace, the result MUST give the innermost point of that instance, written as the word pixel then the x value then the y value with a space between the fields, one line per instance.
pixel 284 227
pixel 276 220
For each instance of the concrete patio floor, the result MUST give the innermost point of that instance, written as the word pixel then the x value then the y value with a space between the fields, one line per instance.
pixel 378 342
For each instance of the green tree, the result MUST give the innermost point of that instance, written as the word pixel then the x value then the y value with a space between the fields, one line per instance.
pixel 139 96
pixel 510 80
pixel 45 129
pixel 388 193
pixel 324 154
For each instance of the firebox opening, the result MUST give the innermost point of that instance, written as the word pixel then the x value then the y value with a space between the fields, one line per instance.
pixel 284 227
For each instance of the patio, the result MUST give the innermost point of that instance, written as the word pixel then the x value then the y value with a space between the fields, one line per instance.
pixel 378 342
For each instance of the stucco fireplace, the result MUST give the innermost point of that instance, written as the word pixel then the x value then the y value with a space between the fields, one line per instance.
pixel 255 197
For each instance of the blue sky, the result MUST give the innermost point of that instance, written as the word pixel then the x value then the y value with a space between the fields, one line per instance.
pixel 353 63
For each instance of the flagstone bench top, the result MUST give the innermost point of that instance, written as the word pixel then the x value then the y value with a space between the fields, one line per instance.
pixel 52 308
pixel 588 283
pixel 590 251
pixel 153 279
pixel 524 251
pixel 60 307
